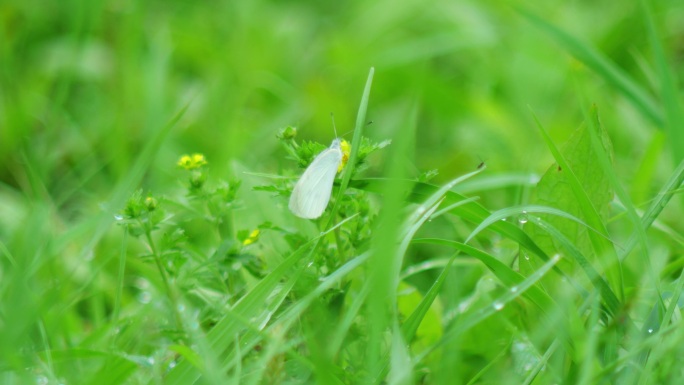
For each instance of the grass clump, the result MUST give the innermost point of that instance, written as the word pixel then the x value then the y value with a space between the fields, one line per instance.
pixel 557 259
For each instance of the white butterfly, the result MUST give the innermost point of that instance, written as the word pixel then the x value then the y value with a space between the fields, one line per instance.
pixel 311 194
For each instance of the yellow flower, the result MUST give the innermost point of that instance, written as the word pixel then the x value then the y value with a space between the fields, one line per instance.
pixel 191 162
pixel 253 237
pixel 346 149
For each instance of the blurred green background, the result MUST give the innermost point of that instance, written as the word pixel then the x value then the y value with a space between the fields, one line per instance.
pixel 86 85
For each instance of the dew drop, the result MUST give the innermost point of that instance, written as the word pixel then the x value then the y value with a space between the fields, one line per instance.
pixel 118 217
pixel 514 289
pixel 523 218
pixel 144 297
pixel 650 330
pixel 527 367
pixel 172 364
pixel 526 256
pixel 142 283
pixel 498 305
pixel 150 360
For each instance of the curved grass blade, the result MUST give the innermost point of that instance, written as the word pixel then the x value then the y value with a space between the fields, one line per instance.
pixel 472 319
pixel 609 298
pixel 472 211
pixel 504 273
pixel 523 211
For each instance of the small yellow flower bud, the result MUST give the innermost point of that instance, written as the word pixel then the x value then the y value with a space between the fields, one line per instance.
pixel 192 162
pixel 253 237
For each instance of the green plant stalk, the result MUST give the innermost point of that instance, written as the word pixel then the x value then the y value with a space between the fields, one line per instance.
pixel 167 286
pixel 356 143
pixel 120 281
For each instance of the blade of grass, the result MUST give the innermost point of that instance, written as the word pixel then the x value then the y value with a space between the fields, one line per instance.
pixel 504 273
pixel 386 253
pixel 470 320
pixel 656 206
pixel 472 211
pixel 674 115
pixel 602 66
pixel 356 144
pixel 521 212
pixel 609 298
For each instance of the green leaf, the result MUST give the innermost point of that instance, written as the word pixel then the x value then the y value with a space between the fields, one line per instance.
pixel 575 185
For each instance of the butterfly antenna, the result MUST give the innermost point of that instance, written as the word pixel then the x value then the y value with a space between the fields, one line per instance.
pixel 332 117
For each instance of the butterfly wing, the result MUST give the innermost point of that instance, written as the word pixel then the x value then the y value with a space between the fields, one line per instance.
pixel 311 194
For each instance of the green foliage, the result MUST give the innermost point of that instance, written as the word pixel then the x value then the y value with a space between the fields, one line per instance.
pixel 144 231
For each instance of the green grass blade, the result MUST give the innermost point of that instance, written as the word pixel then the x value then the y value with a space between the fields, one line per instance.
pixel 504 273
pixel 469 320
pixel 521 213
pixel 602 66
pixel 355 145
pixel 609 298
pixel 656 206
pixel 674 115
pixel 472 211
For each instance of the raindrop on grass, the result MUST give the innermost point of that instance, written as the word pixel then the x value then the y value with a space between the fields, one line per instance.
pixel 523 218
pixel 118 217
pixel 144 297
pixel 498 305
